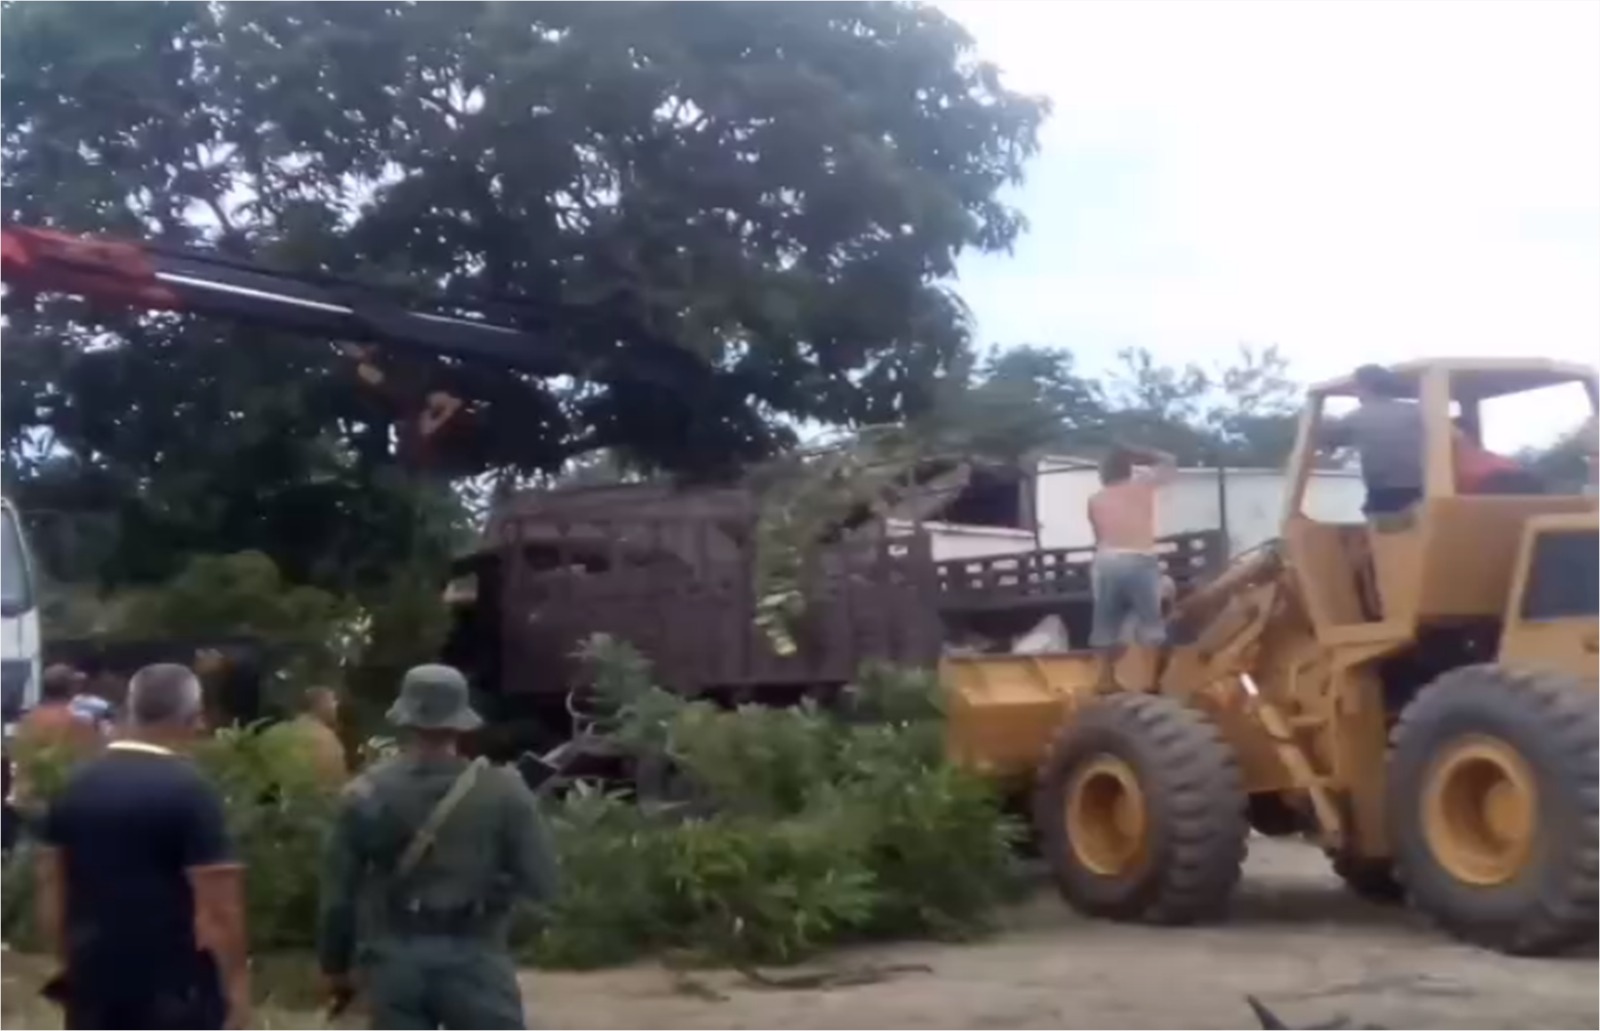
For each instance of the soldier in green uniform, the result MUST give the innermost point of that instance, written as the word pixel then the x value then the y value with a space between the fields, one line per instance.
pixel 430 852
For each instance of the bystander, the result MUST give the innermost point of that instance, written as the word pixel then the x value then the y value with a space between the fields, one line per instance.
pixel 314 736
pixel 140 895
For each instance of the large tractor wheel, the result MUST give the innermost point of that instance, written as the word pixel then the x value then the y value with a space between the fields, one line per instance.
pixel 1493 808
pixel 1141 812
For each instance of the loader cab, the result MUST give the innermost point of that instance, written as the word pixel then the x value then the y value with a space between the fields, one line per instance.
pixel 1455 555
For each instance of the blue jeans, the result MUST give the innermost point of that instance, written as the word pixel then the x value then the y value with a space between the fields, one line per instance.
pixel 1126 587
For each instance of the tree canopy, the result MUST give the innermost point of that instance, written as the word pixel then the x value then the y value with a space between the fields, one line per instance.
pixel 1031 399
pixel 780 189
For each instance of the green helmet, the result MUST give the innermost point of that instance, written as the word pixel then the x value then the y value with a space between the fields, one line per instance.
pixel 434 697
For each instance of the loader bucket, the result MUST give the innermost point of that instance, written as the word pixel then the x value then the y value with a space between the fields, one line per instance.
pixel 1002 711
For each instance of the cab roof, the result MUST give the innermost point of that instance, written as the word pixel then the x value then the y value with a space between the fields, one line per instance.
pixel 1477 378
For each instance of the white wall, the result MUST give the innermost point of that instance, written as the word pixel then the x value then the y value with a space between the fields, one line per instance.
pixel 1255 503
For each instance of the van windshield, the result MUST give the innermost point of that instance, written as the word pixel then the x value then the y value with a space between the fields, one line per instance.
pixel 16 590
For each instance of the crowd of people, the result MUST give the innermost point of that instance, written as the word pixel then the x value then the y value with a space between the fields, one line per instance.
pixel 142 896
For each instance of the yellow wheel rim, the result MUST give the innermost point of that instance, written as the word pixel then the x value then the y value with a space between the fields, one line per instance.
pixel 1480 810
pixel 1107 820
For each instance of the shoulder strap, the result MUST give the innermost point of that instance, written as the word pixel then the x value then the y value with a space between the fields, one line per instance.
pixel 417 848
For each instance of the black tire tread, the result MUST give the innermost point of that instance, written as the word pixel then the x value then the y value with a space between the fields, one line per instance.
pixel 1566 713
pixel 1193 779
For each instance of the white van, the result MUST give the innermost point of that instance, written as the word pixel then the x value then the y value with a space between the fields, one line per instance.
pixel 19 622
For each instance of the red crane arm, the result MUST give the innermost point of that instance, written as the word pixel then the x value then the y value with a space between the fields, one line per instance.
pixel 133 275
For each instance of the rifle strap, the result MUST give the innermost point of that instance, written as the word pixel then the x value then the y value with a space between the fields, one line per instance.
pixel 417 848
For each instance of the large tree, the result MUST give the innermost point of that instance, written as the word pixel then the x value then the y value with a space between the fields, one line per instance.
pixel 780 189
pixel 1034 399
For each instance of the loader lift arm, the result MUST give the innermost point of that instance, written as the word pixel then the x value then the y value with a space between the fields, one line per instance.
pixel 125 274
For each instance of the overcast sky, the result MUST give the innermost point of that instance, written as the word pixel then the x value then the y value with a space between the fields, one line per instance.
pixel 1354 180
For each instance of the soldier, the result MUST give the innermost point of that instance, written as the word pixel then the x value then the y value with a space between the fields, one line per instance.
pixel 433 851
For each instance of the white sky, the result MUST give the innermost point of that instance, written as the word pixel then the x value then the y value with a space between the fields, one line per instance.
pixel 1354 180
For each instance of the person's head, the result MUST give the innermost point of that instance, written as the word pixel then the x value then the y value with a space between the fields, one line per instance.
pixel 434 707
pixel 164 700
pixel 1116 467
pixel 59 683
pixel 1374 382
pixel 1462 433
pixel 323 704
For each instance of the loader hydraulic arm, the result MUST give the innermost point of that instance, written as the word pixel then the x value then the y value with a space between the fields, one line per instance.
pixel 123 274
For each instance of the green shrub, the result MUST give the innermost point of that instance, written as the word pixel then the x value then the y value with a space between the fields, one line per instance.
pixel 17 901
pixel 768 892
pixel 756 761
pixel 278 815
pixel 245 594
pixel 609 908
pixel 827 828
pixel 819 828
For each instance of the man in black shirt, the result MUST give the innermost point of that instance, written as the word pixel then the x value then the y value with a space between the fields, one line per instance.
pixel 139 887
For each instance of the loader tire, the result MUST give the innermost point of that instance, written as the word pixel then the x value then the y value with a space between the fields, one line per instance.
pixel 1493 807
pixel 1140 809
pixel 1370 879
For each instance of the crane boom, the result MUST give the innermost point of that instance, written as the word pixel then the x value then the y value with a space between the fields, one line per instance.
pixel 133 275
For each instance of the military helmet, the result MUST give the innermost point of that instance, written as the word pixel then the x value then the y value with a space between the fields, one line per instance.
pixel 434 697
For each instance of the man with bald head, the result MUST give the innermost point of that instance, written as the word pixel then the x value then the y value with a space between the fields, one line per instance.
pixel 140 894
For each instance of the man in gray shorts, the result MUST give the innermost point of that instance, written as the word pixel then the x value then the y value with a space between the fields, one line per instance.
pixel 1125 578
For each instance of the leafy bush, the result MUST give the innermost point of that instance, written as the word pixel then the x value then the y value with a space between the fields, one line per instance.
pixel 245 594
pixel 828 827
pixel 608 911
pixel 822 827
pixel 362 643
pixel 278 815
pixel 17 901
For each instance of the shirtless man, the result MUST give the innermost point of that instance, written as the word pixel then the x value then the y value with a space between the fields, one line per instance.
pixel 1125 579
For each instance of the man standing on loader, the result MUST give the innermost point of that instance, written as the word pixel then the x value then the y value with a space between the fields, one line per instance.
pixel 1125 578
pixel 434 851
pixel 1386 431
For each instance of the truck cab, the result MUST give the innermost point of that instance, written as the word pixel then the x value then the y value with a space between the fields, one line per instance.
pixel 19 622
pixel 19 646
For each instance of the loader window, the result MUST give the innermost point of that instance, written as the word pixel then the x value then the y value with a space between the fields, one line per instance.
pixel 1564 576
pixel 1532 420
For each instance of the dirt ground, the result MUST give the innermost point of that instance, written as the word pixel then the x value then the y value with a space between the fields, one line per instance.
pixel 1297 941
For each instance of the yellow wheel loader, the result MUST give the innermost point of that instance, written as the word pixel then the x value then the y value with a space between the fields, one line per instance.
pixel 1416 693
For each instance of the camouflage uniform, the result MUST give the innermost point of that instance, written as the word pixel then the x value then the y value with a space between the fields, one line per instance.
pixel 432 951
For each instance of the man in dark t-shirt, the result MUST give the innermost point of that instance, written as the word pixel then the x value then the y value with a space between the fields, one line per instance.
pixel 139 887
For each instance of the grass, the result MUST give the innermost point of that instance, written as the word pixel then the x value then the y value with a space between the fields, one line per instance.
pixel 285 990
